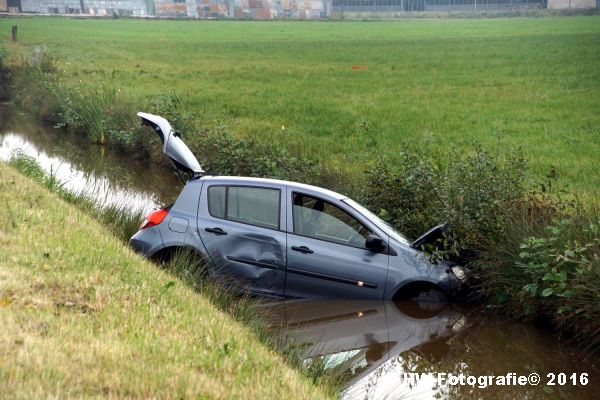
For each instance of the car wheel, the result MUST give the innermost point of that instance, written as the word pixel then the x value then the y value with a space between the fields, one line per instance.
pixel 431 296
pixel 426 295
pixel 184 262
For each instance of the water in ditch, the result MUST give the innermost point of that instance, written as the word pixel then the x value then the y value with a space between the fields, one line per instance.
pixel 379 349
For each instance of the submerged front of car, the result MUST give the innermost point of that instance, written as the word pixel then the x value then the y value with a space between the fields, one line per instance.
pixel 412 270
pixel 413 273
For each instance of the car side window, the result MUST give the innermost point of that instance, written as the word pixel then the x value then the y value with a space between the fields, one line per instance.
pixel 319 219
pixel 216 201
pixel 246 204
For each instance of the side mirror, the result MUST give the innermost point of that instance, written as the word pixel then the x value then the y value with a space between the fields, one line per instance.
pixel 374 243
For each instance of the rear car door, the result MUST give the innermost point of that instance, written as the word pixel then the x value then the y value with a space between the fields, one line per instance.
pixel 240 226
pixel 326 253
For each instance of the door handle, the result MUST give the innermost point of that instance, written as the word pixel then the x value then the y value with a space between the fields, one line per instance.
pixel 302 249
pixel 216 231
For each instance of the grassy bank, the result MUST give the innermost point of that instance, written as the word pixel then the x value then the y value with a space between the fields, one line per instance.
pixel 437 83
pixel 83 316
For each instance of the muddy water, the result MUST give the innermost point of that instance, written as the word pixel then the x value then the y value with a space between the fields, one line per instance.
pixel 401 350
pixel 379 349
pixel 110 177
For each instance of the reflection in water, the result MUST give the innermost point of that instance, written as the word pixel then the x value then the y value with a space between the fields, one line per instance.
pixel 358 339
pixel 83 168
pixel 372 344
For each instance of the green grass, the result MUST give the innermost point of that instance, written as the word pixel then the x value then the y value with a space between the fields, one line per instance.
pixel 439 83
pixel 83 316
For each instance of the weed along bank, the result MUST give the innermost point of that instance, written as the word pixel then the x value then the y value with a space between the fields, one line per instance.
pixel 294 239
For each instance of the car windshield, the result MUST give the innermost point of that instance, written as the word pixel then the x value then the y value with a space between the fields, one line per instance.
pixel 378 221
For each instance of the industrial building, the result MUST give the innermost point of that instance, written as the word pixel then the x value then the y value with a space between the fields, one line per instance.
pixel 272 9
pixel 252 9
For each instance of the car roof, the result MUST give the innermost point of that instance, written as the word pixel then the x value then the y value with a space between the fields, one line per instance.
pixel 265 181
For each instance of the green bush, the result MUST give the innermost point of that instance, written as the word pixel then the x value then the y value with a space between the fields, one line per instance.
pixel 473 194
pixel 103 115
pixel 39 59
pixel 3 55
pixel 548 266
pixel 171 107
pixel 36 92
pixel 531 254
pixel 224 154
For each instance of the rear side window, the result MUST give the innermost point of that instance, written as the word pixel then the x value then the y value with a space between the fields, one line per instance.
pixel 216 201
pixel 249 205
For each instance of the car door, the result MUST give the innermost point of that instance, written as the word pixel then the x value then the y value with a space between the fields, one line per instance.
pixel 326 253
pixel 240 228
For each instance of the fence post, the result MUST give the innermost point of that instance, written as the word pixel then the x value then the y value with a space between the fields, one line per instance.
pixel 13 33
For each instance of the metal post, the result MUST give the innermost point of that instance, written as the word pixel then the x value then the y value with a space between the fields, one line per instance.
pixel 13 33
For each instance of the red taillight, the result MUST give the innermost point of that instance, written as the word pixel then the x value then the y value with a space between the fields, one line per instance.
pixel 154 218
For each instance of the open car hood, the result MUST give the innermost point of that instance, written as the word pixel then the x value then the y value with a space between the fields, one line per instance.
pixel 435 233
pixel 173 146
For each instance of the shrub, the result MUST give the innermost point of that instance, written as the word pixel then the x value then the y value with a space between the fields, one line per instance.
pixel 3 55
pixel 171 107
pixel 224 154
pixel 36 92
pixel 102 114
pixel 473 194
pixel 39 59
pixel 548 266
pixel 531 254
pixel 34 83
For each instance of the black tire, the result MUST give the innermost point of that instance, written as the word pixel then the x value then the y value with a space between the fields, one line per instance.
pixel 431 296
pixel 427 296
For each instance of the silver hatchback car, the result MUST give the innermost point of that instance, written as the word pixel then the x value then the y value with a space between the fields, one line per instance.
pixel 286 239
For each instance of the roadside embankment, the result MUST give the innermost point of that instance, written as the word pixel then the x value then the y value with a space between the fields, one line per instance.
pixel 84 316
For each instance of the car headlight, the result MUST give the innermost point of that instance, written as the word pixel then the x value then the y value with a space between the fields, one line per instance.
pixel 459 272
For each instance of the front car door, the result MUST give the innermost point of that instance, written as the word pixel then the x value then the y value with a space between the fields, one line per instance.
pixel 326 253
pixel 240 226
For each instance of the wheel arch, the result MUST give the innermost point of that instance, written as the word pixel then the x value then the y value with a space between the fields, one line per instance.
pixel 166 253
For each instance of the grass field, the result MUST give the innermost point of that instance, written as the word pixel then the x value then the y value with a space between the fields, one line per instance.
pixel 534 83
pixel 82 316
